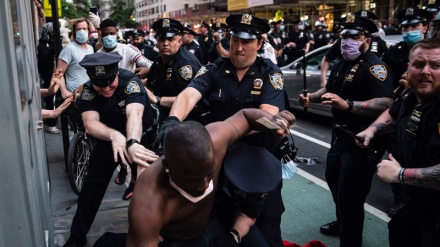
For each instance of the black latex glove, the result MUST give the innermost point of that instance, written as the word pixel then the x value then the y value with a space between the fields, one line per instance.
pixel 169 121
pixel 225 240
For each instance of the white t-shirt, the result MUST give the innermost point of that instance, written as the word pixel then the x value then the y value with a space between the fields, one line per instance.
pixel 268 52
pixel 131 56
pixel 75 75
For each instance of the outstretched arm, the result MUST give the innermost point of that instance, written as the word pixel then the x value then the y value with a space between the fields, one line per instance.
pixel 390 171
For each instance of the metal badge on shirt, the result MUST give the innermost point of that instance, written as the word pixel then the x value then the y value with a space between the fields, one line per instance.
pixel 168 74
pixel 87 94
pixel 186 72
pixel 351 74
pixel 256 90
pixel 379 71
pixel 277 80
pixel 413 123
pixel 132 87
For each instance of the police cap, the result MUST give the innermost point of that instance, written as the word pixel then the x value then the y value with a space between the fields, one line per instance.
pixel 432 6
pixel 354 25
pixel 278 22
pixel 188 30
pixel 101 67
pixel 252 169
pixel 413 16
pixel 204 24
pixel 247 26
pixel 366 14
pixel 167 28
pixel 137 33
pixel 220 26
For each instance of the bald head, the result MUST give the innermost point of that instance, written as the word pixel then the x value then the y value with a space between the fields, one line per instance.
pixel 189 143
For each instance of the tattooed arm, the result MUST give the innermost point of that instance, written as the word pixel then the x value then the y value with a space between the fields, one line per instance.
pixel 372 107
pixel 389 171
pixel 383 124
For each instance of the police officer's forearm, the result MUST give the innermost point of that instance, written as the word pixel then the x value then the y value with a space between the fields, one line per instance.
pixel 243 223
pixel 325 64
pixel 134 121
pixel 383 124
pixel 167 101
pixel 185 103
pixel 316 96
pixel 373 107
pixel 222 51
pixel 423 177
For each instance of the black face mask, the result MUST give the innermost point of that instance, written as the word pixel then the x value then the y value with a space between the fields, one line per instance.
pixel 138 45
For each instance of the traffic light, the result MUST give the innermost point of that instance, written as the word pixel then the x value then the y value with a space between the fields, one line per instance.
pixel 132 18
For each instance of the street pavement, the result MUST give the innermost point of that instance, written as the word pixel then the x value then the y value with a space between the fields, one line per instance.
pixel 308 205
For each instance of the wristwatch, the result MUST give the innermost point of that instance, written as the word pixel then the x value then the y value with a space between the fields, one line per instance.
pixel 131 142
pixel 236 235
pixel 217 42
pixel 158 100
pixel 350 104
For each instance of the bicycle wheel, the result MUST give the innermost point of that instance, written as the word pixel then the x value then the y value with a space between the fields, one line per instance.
pixel 80 149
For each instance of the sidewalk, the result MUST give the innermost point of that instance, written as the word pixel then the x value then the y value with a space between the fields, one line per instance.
pixel 307 204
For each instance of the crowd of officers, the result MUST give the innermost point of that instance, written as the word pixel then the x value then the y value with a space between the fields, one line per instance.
pixel 147 99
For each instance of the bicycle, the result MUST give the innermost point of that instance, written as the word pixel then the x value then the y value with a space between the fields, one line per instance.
pixel 80 148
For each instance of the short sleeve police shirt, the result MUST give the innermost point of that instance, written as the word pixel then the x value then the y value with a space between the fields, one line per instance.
pixel 112 110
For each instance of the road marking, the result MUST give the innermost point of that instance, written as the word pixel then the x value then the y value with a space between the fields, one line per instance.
pixel 372 210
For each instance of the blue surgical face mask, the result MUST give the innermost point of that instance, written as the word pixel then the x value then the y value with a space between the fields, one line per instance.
pixel 110 41
pixel 282 27
pixel 82 36
pixel 412 37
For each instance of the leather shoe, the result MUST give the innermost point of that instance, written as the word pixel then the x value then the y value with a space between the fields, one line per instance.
pixel 331 228
pixel 74 242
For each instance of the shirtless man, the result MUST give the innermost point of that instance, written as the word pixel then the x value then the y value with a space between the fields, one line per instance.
pixel 174 196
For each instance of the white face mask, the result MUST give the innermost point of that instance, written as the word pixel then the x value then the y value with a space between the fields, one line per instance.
pixel 188 196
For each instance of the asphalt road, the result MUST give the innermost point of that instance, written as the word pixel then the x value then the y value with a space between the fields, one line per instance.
pixel 313 141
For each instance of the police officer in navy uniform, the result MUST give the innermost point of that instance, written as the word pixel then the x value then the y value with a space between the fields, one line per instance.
pixel 173 70
pixel 281 38
pixel 205 41
pixel 321 36
pixel 190 43
pixel 220 47
pixel 242 194
pixel 378 47
pixel 359 89
pixel 414 23
pixel 297 42
pixel 114 110
pixel 231 84
pixel 147 50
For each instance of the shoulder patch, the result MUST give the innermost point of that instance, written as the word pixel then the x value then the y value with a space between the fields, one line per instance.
pixel 379 71
pixel 87 94
pixel 201 71
pixel 132 87
pixel 186 72
pixel 277 80
pixel 192 51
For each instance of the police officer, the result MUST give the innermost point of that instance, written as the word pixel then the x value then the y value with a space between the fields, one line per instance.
pixel 190 43
pixel 321 37
pixel 220 47
pixel 281 38
pixel 414 23
pixel 242 194
pixel 298 42
pixel 231 84
pixel 416 120
pixel 359 89
pixel 173 70
pixel 147 50
pixel 205 41
pixel 113 108
pixel 378 47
